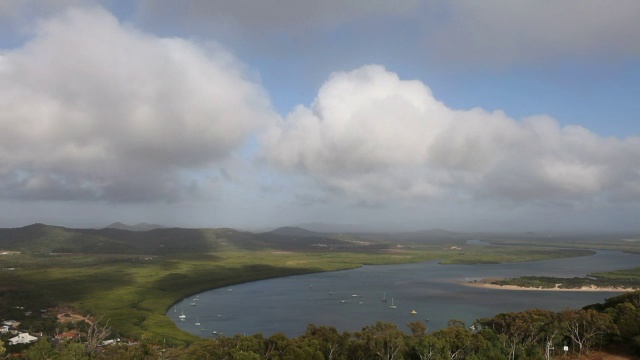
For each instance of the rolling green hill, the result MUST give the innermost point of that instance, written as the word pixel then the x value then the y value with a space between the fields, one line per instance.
pixel 47 239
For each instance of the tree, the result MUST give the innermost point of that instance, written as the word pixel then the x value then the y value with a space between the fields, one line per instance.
pixel 277 345
pixel 383 340
pixel 418 328
pixel 585 325
pixel 96 334
pixel 72 351
pixel 333 345
pixel 41 350
pixel 519 331
pixel 424 347
pixel 627 318
pixel 302 348
pixel 453 343
pixel 205 349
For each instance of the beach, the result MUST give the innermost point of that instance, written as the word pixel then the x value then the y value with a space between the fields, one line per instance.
pixel 488 284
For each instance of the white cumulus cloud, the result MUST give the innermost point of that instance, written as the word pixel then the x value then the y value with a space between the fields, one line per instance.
pixel 94 109
pixel 371 136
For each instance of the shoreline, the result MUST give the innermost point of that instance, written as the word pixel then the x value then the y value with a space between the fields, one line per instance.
pixel 486 284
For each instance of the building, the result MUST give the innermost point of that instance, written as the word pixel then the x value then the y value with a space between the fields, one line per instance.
pixel 22 338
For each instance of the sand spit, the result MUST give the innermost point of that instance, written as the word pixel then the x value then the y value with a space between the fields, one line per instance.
pixel 487 284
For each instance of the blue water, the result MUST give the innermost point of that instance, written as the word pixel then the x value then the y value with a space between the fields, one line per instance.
pixel 288 304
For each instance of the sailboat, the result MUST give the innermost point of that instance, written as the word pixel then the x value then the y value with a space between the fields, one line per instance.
pixel 392 306
pixel 197 322
pixel 182 316
pixel 384 297
pixel 413 312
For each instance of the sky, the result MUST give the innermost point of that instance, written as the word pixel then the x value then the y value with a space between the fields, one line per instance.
pixel 384 115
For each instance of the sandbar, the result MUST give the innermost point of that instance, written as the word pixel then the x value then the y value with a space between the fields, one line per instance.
pixel 487 284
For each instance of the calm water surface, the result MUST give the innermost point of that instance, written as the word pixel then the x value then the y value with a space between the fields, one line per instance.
pixel 288 304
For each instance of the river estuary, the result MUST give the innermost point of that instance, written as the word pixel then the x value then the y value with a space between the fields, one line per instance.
pixel 351 299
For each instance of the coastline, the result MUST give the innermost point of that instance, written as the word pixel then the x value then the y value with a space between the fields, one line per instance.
pixel 486 284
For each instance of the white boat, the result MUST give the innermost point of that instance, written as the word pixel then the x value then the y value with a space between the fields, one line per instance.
pixel 384 297
pixel 392 306
pixel 413 312
pixel 193 304
pixel 197 322
pixel 182 316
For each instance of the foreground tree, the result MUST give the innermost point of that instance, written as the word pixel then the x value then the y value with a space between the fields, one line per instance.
pixel 381 341
pixel 96 334
pixel 584 326
pixel 41 350
pixel 521 332
pixel 453 343
pixel 333 345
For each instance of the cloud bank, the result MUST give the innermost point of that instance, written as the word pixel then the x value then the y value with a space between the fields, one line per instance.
pixel 490 33
pixel 93 109
pixel 499 32
pixel 372 136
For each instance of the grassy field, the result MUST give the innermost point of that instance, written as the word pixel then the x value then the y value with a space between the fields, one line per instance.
pixel 134 291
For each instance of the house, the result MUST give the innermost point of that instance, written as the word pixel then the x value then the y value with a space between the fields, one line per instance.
pixel 109 342
pixel 4 329
pixel 11 323
pixel 22 338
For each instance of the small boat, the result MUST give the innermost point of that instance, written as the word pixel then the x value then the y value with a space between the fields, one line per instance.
pixel 182 316
pixel 214 332
pixel 384 297
pixel 392 306
pixel 197 322
pixel 193 304
pixel 414 312
pixel 355 295
pixel 343 301
pixel 331 293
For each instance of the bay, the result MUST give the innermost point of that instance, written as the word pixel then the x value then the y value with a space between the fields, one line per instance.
pixel 351 299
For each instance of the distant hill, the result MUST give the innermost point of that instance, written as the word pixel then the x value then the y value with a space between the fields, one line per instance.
pixel 138 227
pixel 47 239
pixel 295 231
pixel 334 228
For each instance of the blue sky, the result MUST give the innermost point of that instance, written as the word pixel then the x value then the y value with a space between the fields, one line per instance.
pixel 410 114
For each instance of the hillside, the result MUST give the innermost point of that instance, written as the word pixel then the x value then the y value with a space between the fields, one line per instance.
pixel 41 238
pixel 136 227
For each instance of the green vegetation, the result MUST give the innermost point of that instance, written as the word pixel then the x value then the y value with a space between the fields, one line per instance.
pixel 620 279
pixel 531 334
pixel 132 278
